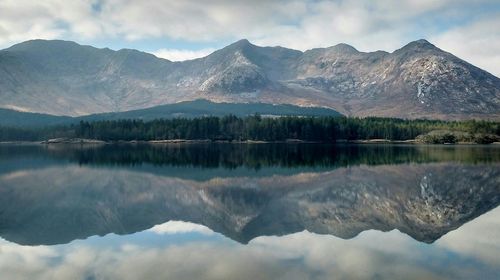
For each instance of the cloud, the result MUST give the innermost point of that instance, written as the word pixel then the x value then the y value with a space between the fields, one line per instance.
pixel 296 256
pixel 180 55
pixel 477 238
pixel 368 25
pixel 464 253
pixel 174 227
pixel 478 42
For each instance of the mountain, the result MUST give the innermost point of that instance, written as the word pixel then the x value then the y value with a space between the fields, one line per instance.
pixel 417 81
pixel 186 109
pixel 201 107
pixel 12 118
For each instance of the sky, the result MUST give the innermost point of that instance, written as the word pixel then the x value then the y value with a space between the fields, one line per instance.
pixel 180 30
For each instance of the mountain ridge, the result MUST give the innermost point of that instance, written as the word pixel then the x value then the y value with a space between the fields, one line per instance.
pixel 418 80
pixel 184 109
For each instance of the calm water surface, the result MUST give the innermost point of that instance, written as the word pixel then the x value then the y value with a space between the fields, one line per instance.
pixel 264 211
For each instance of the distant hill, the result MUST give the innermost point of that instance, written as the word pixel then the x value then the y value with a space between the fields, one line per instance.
pixel 23 119
pixel 187 109
pixel 418 80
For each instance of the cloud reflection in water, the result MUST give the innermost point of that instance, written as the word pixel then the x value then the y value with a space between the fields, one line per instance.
pixel 371 255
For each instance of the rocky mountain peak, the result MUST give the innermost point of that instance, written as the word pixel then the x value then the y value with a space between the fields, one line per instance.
pixel 39 44
pixel 241 45
pixel 242 42
pixel 343 48
pixel 235 53
pixel 419 46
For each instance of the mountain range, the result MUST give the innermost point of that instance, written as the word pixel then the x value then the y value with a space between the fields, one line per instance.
pixel 418 80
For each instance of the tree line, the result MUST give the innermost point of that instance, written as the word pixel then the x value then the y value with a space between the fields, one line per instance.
pixel 256 127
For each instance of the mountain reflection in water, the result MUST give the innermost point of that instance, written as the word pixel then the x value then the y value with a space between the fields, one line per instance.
pixel 57 194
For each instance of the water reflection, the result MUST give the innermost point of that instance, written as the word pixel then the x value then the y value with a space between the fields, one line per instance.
pixel 188 254
pixel 255 156
pixel 257 208
pixel 59 202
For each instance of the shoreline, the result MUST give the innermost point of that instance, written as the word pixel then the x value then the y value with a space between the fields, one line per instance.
pixel 95 142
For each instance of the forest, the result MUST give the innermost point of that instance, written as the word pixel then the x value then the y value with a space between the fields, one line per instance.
pixel 258 128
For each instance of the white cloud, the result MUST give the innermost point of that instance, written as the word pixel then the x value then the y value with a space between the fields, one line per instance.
pixel 368 25
pixel 465 253
pixel 479 43
pixel 477 238
pixel 180 55
pixel 296 256
pixel 174 227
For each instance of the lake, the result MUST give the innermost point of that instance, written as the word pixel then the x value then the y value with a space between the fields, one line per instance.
pixel 249 211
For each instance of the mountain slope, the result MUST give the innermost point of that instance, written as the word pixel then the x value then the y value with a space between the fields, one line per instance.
pixel 14 118
pixel 187 109
pixel 417 81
